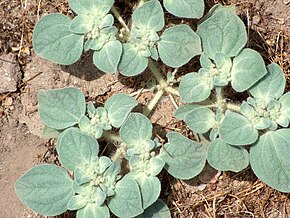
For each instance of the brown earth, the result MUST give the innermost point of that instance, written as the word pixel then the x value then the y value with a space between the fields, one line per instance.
pixel 211 194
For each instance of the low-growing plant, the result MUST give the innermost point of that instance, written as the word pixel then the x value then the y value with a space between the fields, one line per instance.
pixel 126 182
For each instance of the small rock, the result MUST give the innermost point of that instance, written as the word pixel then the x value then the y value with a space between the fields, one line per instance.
pixel 9 73
pixel 8 102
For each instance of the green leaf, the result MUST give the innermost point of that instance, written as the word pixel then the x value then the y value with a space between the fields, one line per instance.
pixel 149 16
pixel 136 129
pixel 99 7
pixel 185 8
pixel 237 130
pixel 225 157
pixel 61 108
pixel 270 86
pixel 92 210
pixel 178 45
pixel 52 40
pixel 127 200
pixel 49 133
pixel 248 68
pixel 157 210
pixel 184 158
pixel 183 110
pixel 118 107
pixel 132 62
pixel 108 58
pixel 150 188
pixel 223 32
pixel 270 159
pixel 285 102
pixel 46 189
pixel 193 88
pixel 77 202
pixel 81 24
pixel 76 148
pixel 200 120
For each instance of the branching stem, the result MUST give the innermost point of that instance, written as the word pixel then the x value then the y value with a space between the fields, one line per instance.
pixel 153 102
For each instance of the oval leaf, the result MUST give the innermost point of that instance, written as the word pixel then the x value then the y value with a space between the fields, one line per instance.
pixel 61 108
pixel 127 199
pixel 157 210
pixel 223 32
pixel 248 68
pixel 91 6
pixel 200 120
pixel 108 58
pixel 185 8
pixel 178 45
pixel 149 16
pixel 75 148
pixel 77 202
pixel 92 210
pixel 237 130
pixel 52 40
pixel 225 157
pixel 46 189
pixel 270 159
pixel 193 88
pixel 285 102
pixel 132 61
pixel 118 107
pixel 184 158
pixel 136 129
pixel 183 110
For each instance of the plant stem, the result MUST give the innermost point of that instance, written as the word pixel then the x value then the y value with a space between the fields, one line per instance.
pixel 157 74
pixel 234 107
pixel 111 137
pixel 153 102
pixel 119 18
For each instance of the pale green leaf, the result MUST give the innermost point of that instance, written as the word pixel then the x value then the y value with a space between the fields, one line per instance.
pixel 52 40
pixel 77 202
pixel 248 68
pixel 184 158
pixel 178 45
pixel 225 157
pixel 136 129
pixel 183 110
pixel 46 189
pixel 272 85
pixel 200 120
pixel 127 200
pixel 76 148
pixel 118 107
pixel 237 130
pixel 132 62
pixel 81 24
pixel 108 58
pixel 100 7
pixel 270 159
pixel 157 210
pixel 92 210
pixel 61 108
pixel 193 88
pixel 149 16
pixel 50 132
pixel 222 32
pixel 185 8
pixel 285 104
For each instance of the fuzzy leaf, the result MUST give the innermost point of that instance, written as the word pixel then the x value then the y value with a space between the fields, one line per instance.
pixel 200 120
pixel 185 8
pixel 157 210
pixel 178 45
pixel 225 157
pixel 183 110
pixel 237 130
pixel 184 158
pixel 49 132
pixel 81 24
pixel 76 202
pixel 75 148
pixel 46 189
pixel 52 40
pixel 285 102
pixel 132 62
pixel 222 32
pixel 248 68
pixel 100 7
pixel 108 58
pixel 272 85
pixel 92 210
pixel 270 159
pixel 118 107
pixel 193 88
pixel 149 16
pixel 136 129
pixel 61 108
pixel 127 200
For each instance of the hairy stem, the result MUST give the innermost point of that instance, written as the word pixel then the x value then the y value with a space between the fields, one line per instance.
pixel 157 74
pixel 111 137
pixel 119 18
pixel 233 107
pixel 153 102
